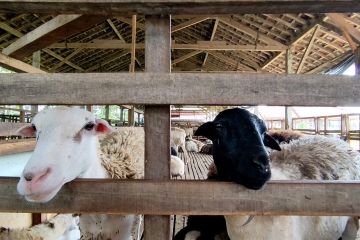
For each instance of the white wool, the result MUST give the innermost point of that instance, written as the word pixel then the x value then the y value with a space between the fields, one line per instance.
pixel 313 157
pixel 191 146
pixel 177 166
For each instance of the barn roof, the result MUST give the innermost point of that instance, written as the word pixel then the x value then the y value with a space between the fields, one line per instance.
pixel 206 43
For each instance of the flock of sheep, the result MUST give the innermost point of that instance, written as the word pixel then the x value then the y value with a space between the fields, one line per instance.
pixel 243 152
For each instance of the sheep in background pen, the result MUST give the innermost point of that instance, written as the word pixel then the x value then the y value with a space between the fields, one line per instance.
pixel 177 141
pixel 70 137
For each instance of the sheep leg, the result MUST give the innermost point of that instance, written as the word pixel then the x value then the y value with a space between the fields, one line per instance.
pixel 351 230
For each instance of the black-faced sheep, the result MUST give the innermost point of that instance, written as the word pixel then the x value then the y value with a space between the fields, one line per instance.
pixel 239 140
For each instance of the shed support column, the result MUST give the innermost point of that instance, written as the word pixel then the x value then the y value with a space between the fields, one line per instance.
pixel 36 62
pixel 288 110
pixel 357 61
pixel 157 119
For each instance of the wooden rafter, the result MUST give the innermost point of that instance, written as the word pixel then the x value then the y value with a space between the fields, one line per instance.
pixel 294 40
pixel 57 56
pixel 347 29
pixel 186 56
pixel 201 45
pixel 59 28
pixel 48 51
pixel 308 49
pixel 245 29
pixel 216 24
pixel 189 23
pixel 67 58
pixel 113 27
pixel 133 43
pixel 107 60
pixel 329 63
pixel 231 61
pixel 17 65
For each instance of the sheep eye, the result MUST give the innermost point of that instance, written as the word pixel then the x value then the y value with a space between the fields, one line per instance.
pixel 218 125
pixel 33 127
pixel 89 126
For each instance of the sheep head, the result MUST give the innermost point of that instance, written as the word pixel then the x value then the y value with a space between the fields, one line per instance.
pixel 239 139
pixel 66 148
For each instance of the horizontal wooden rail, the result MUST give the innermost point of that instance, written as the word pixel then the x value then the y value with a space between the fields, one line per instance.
pixel 128 7
pixel 179 88
pixel 191 197
pixel 17 146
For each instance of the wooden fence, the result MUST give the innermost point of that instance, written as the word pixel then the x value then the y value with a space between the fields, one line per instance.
pixel 156 196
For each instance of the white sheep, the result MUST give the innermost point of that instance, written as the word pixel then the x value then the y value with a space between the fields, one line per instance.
pixel 177 140
pixel 67 148
pixel 240 155
pixel 55 228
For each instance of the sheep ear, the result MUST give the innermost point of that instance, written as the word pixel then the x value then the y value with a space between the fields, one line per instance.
pixel 206 130
pixel 270 142
pixel 26 131
pixel 103 126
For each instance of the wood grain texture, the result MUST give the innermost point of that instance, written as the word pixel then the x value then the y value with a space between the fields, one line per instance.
pixel 180 88
pixel 155 7
pixel 157 119
pixel 17 66
pixel 59 28
pixel 191 197
pixel 19 146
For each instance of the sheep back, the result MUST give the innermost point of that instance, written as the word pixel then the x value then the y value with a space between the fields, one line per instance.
pixel 122 153
pixel 317 157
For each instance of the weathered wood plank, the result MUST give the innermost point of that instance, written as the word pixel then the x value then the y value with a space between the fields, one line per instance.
pixel 17 66
pixel 57 29
pixel 180 88
pixel 9 129
pixel 19 146
pixel 191 197
pixel 157 119
pixel 129 7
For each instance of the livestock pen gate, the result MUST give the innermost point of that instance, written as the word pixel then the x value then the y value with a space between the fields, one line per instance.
pixel 157 197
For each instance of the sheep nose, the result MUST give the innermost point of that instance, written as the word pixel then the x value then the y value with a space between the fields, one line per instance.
pixel 34 177
pixel 28 176
pixel 262 162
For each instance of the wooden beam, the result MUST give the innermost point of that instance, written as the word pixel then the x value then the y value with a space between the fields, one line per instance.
pixel 48 51
pixel 357 61
pixel 307 50
pixel 133 43
pixel 108 60
pixel 57 29
pixel 67 58
pixel 216 24
pixel 186 56
pixel 17 65
pixel 146 7
pixel 62 59
pixel 329 64
pixel 157 118
pixel 238 65
pixel 201 45
pixel 245 29
pixel 347 29
pixel 19 146
pixel 189 23
pixel 149 88
pixel 113 27
pixel 177 197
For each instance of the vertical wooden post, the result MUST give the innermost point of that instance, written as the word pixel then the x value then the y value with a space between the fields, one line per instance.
pixel 121 114
pixel 131 116
pixel 288 65
pixel 36 62
pixel 133 43
pixel 357 60
pixel 157 119
pixel 89 108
